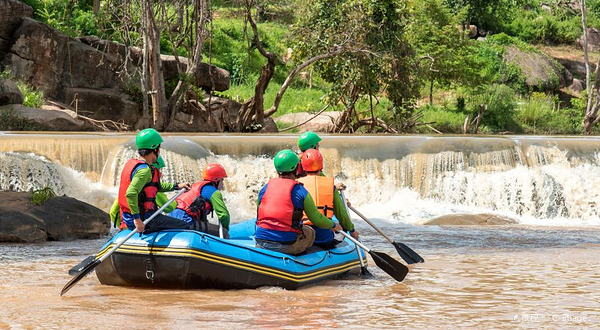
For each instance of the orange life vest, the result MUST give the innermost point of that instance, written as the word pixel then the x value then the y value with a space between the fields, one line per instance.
pixel 146 198
pixel 276 210
pixel 321 190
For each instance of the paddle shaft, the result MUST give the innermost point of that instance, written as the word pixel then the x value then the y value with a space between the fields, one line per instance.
pixel 360 257
pixel 371 223
pixel 354 240
pixel 133 232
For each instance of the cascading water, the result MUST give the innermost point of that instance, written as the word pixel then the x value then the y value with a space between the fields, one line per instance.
pixel 541 181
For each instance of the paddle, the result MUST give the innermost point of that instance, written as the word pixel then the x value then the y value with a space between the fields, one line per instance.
pixel 388 264
pixel 80 266
pixel 363 268
pixel 88 268
pixel 406 253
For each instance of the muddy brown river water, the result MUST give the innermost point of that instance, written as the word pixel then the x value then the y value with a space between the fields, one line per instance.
pixel 485 278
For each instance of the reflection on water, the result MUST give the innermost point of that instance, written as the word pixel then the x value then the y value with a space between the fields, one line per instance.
pixel 498 278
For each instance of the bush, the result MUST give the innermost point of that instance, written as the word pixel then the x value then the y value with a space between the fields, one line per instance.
pixel 443 118
pixel 541 114
pixel 500 105
pixel 32 97
pixel 493 68
pixel 41 195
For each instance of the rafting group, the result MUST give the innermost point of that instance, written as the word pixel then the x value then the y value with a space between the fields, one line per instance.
pixel 296 239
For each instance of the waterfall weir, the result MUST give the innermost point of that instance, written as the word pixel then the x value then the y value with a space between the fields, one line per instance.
pixel 409 179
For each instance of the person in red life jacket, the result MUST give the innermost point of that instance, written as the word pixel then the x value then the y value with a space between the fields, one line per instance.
pixel 326 197
pixel 140 181
pixel 281 204
pixel 161 199
pixel 203 198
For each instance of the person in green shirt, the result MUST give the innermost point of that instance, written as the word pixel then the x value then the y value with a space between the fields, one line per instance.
pixel 140 183
pixel 161 199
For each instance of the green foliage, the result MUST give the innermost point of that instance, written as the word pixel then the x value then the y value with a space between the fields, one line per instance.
pixel 445 52
pixel 41 195
pixel 32 97
pixel 541 114
pixel 74 18
pixel 443 118
pixel 376 55
pixel 544 28
pixel 492 67
pixel 487 14
pixel 10 121
pixel 500 104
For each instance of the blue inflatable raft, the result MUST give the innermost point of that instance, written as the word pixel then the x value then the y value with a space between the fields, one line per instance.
pixel 192 259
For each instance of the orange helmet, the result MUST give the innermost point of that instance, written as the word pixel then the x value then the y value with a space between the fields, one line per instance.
pixel 312 160
pixel 213 172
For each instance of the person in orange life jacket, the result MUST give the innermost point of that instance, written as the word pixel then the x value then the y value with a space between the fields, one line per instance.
pixel 281 203
pixel 140 181
pixel 194 205
pixel 306 141
pixel 326 197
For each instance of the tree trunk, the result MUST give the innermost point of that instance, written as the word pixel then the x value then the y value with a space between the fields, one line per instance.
pixel 157 84
pixel 431 92
pixel 253 110
pixel 96 7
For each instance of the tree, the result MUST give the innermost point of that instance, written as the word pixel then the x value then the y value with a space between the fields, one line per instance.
pixel 183 24
pixel 444 51
pixel 376 57
pixel 592 89
pixel 486 14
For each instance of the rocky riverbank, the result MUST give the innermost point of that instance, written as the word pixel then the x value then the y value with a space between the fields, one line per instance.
pixel 57 219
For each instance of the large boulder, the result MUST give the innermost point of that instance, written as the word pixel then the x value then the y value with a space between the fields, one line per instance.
pixel 483 219
pixel 11 14
pixel 593 35
pixel 9 93
pixel 58 218
pixel 541 71
pixel 103 104
pixel 321 123
pixel 54 120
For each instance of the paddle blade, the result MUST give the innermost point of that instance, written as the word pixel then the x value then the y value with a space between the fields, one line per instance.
pixel 407 254
pixel 88 269
pixel 389 265
pixel 80 266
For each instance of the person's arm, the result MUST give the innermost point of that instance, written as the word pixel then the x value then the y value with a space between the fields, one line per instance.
pixel 161 199
pixel 341 213
pixel 216 200
pixel 115 217
pixel 315 216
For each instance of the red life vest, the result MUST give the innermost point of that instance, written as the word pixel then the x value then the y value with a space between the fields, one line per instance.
pixel 189 201
pixel 146 198
pixel 276 210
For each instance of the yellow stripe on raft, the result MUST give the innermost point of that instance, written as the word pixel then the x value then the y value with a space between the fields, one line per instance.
pixel 230 262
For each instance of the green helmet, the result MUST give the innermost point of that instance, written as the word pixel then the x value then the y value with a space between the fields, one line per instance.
pixel 308 140
pixel 160 162
pixel 286 161
pixel 148 138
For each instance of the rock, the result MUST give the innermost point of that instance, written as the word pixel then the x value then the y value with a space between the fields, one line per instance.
pixel 169 63
pixel 577 68
pixel 9 93
pixel 58 218
pixel 542 72
pixel 11 14
pixel 577 86
pixel 472 31
pixel 38 56
pixel 481 38
pixel 54 120
pixel 269 126
pixel 470 220
pixel 322 123
pixel 593 39
pixel 104 104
